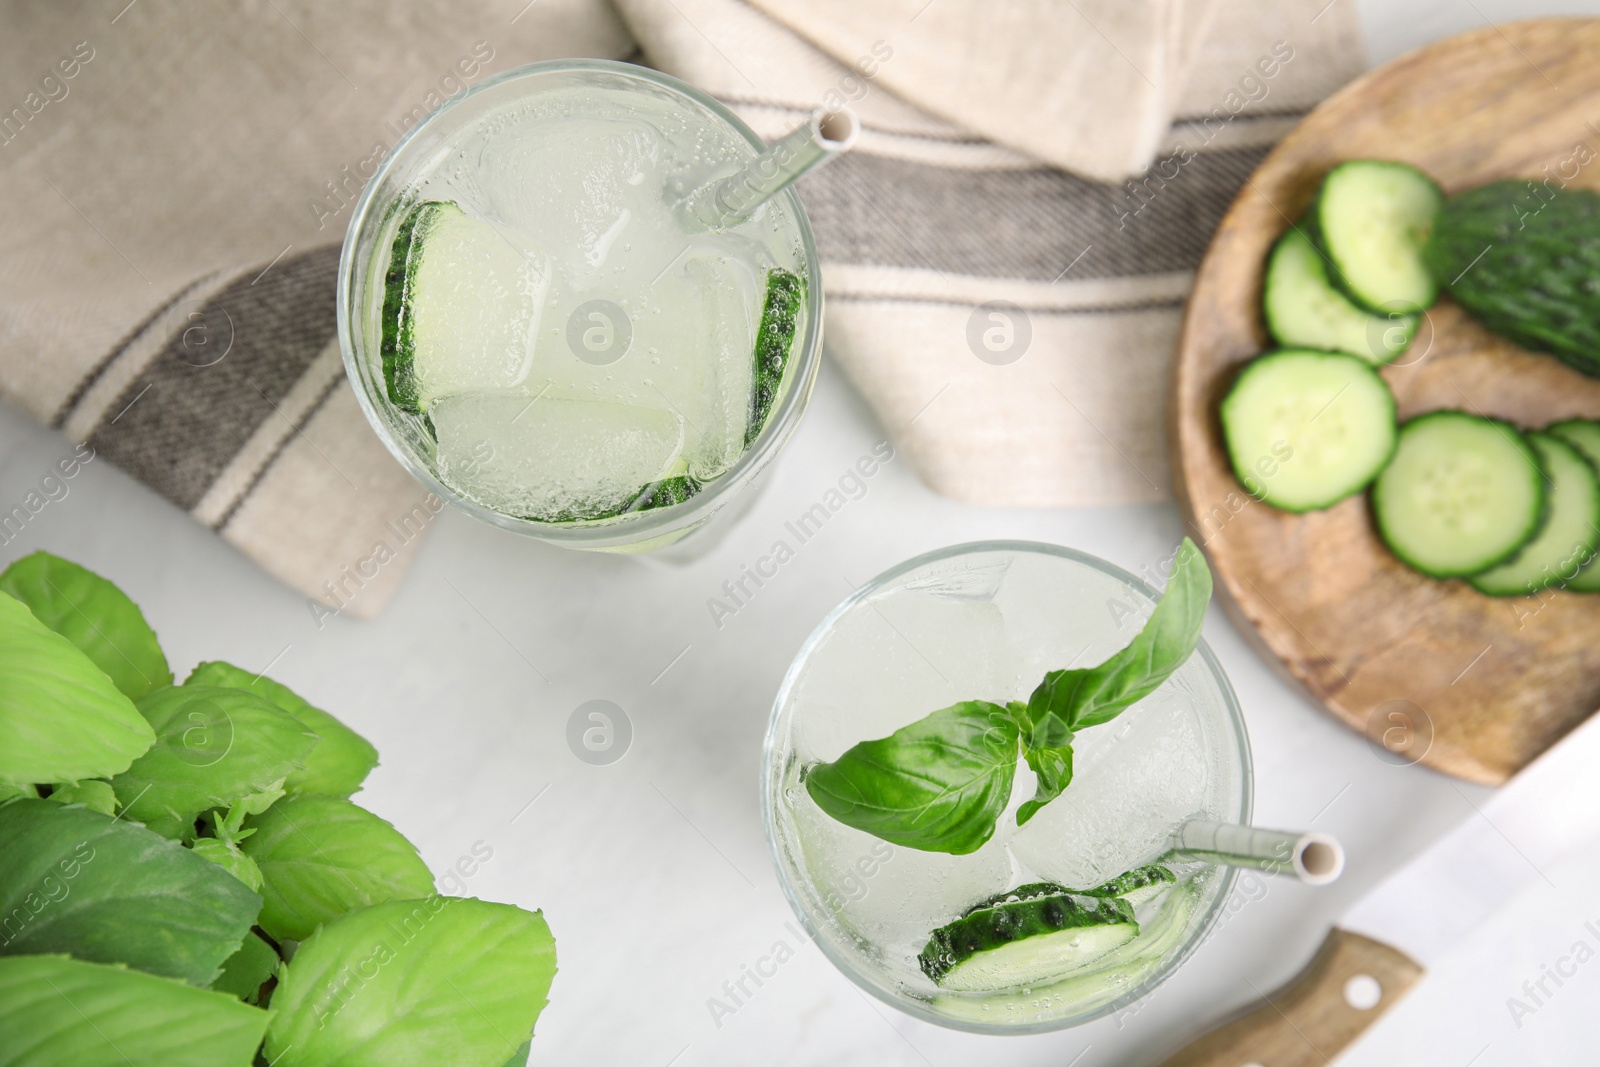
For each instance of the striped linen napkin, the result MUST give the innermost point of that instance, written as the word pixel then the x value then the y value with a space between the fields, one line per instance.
pixel 179 176
pixel 1011 322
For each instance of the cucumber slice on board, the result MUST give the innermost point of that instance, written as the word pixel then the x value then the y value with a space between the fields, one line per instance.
pixel 1461 495
pixel 1584 435
pixel 1306 429
pixel 1304 309
pixel 1567 539
pixel 1022 942
pixel 1373 219
pixel 460 308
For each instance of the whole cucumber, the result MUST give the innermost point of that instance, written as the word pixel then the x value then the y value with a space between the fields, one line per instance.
pixel 1524 260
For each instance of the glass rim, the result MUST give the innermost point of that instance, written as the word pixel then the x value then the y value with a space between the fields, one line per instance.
pixel 919 1009
pixel 634 527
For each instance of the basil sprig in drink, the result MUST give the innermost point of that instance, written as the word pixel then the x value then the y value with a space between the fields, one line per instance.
pixel 544 333
pixel 973 772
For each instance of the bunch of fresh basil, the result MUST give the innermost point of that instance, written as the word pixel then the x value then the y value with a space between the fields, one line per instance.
pixel 940 784
pixel 185 883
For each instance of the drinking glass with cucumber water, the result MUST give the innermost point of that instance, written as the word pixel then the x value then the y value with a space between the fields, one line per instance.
pixel 1007 786
pixel 581 302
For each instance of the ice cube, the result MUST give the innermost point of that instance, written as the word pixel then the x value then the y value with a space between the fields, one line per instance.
pixel 894 658
pixel 549 458
pixel 475 303
pixel 1136 778
pixel 892 896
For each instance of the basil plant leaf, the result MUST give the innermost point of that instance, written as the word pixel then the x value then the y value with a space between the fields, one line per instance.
pixel 61 719
pixel 226 854
pixel 413 983
pixel 246 971
pixel 110 891
pixel 519 1058
pixel 321 857
pixel 93 614
pixel 93 794
pixel 1090 696
pixel 937 785
pixel 214 746
pixel 60 1012
pixel 342 759
pixel 1053 768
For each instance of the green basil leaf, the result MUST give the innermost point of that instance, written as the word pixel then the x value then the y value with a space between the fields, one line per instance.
pixel 937 785
pixel 342 758
pixel 94 794
pixel 59 1012
pixel 1094 695
pixel 213 746
pixel 61 719
pixel 93 614
pixel 226 854
pixel 321 857
pixel 414 983
pixel 109 891
pixel 1053 768
pixel 246 971
pixel 519 1058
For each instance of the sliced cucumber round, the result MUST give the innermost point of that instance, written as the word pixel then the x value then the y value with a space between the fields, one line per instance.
pixel 1373 218
pixel 1584 435
pixel 1306 429
pixel 1024 942
pixel 1304 309
pixel 460 308
pixel 1462 494
pixel 1568 538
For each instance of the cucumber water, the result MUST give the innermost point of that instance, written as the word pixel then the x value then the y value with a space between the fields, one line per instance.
pixel 569 346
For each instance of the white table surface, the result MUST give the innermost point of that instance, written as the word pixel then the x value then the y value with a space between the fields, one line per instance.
pixel 654 871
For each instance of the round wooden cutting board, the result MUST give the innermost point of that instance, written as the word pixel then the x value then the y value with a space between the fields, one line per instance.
pixel 1476 686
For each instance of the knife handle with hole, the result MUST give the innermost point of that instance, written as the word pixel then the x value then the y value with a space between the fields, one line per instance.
pixel 1348 984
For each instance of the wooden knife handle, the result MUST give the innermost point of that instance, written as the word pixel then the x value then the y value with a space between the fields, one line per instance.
pixel 1322 1009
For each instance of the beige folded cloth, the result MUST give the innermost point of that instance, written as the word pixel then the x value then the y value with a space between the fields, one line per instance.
pixel 1012 323
pixel 178 176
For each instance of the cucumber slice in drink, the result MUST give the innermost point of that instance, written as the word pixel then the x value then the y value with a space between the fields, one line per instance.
pixel 1584 435
pixel 1135 886
pixel 780 317
pixel 1462 494
pixel 1304 309
pixel 1138 885
pixel 1026 941
pixel 557 460
pixel 1306 429
pixel 1568 538
pixel 1373 219
pixel 460 307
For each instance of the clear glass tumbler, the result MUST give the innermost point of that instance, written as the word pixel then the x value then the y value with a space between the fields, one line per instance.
pixel 986 621
pixel 451 154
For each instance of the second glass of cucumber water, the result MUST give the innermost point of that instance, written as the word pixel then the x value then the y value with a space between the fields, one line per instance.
pixel 949 938
pixel 541 333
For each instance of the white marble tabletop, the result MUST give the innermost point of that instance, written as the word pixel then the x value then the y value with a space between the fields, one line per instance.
pixel 653 870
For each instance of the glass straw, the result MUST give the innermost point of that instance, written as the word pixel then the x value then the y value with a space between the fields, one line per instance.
pixel 1316 859
pixel 728 201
